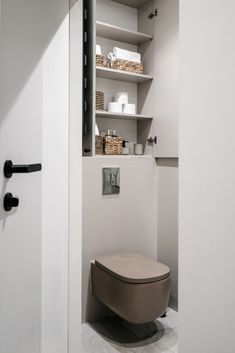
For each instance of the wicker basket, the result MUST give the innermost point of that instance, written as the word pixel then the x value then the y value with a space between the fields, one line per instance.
pixel 99 144
pixel 101 61
pixel 99 100
pixel 126 65
pixel 112 145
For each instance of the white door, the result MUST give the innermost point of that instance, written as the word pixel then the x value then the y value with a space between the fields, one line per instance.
pixel 34 96
pixel 166 78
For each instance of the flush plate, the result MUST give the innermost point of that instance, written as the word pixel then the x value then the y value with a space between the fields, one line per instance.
pixel 111 181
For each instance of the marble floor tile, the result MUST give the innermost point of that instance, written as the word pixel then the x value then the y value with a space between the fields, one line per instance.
pixel 113 335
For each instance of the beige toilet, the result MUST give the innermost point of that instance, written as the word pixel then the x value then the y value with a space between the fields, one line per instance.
pixel 133 286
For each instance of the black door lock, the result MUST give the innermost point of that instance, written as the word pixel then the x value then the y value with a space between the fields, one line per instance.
pixel 9 202
pixel 10 168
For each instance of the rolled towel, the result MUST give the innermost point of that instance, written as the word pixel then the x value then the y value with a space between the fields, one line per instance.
pixel 126 55
pixel 111 56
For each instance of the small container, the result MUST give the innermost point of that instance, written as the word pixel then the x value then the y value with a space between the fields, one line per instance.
pixel 110 133
pixel 99 101
pixel 112 145
pixel 115 107
pixel 138 149
pixel 99 144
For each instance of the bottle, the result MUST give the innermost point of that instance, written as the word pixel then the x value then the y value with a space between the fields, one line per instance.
pixel 125 149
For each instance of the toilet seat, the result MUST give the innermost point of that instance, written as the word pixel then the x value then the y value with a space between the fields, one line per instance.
pixel 133 268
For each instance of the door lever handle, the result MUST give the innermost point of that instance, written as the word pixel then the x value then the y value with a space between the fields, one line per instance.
pixel 10 168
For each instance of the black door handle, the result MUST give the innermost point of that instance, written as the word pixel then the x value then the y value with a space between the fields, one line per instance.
pixel 9 202
pixel 10 168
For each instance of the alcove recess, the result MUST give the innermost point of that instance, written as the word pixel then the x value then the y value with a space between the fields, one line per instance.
pixel 131 25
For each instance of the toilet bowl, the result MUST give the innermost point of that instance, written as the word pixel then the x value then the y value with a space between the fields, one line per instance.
pixel 133 286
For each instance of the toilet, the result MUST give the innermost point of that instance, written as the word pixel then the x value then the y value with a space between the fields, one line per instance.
pixel 133 286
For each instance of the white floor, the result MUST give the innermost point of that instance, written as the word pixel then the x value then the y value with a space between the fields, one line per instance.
pixel 112 335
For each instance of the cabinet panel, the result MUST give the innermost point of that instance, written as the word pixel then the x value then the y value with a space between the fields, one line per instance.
pixel 166 78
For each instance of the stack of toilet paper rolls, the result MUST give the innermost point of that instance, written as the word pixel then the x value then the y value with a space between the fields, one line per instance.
pixel 121 105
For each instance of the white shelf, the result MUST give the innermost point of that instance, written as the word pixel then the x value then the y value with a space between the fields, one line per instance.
pixel 118 156
pixel 132 3
pixel 120 34
pixel 104 114
pixel 119 75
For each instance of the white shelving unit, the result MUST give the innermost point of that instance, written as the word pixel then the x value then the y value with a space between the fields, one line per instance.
pixel 120 34
pixel 111 74
pixel 123 34
pixel 108 115
pixel 133 25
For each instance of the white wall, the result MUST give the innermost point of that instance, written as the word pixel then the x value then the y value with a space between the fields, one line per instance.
pixel 206 178
pixel 125 16
pixel 167 234
pixel 120 223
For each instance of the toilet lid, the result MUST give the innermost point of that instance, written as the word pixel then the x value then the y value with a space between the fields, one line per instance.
pixel 133 268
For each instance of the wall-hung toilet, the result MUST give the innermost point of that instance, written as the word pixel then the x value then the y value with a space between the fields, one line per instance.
pixel 133 286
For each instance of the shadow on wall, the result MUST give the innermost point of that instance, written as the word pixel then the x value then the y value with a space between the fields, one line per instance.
pixel 94 308
pixel 168 221
pixel 38 24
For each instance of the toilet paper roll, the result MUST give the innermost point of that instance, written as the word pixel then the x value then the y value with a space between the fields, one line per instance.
pixel 129 108
pixel 115 107
pixel 121 97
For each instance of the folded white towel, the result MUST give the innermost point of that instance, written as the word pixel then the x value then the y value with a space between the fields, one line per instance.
pixel 98 49
pixel 123 54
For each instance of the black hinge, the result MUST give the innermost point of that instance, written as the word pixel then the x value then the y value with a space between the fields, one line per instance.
pixel 152 140
pixel 152 14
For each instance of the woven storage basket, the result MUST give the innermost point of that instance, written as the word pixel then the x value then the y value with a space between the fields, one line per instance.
pixel 126 65
pixel 99 100
pixel 100 61
pixel 112 145
pixel 99 144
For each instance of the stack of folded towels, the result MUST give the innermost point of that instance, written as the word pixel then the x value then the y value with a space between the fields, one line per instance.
pixel 123 54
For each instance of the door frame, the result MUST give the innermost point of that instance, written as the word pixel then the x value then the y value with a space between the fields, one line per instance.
pixel 75 174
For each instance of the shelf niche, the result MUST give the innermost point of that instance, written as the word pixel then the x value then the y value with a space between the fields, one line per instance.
pixel 120 34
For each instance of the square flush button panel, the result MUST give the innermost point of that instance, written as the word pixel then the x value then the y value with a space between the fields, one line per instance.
pixel 111 181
